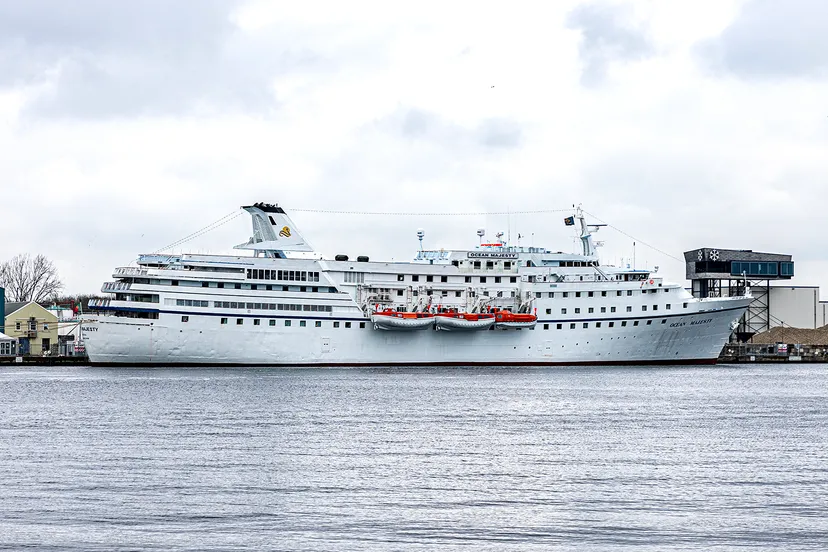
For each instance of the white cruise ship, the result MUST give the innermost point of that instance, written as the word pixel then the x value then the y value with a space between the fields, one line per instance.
pixel 283 304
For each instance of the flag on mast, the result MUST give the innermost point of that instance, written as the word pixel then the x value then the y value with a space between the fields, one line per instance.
pixel 569 221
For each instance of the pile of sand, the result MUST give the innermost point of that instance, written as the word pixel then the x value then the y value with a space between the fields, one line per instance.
pixel 818 336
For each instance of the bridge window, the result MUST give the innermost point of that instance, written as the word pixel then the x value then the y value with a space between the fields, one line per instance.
pixel 759 268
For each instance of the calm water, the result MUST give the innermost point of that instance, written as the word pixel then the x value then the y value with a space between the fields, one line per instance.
pixel 711 458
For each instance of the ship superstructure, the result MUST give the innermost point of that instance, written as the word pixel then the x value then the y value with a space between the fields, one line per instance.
pixel 282 303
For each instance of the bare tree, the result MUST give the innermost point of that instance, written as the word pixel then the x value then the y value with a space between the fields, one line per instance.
pixel 29 278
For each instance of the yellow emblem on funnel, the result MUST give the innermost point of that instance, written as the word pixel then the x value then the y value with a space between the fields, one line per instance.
pixel 285 233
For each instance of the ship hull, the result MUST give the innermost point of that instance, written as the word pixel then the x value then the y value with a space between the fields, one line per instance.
pixel 687 338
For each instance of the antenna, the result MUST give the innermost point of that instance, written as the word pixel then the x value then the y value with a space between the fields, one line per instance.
pixel 499 236
pixel 420 236
pixel 480 233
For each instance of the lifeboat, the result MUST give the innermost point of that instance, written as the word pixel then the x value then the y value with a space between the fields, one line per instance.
pixel 463 321
pixel 506 319
pixel 402 321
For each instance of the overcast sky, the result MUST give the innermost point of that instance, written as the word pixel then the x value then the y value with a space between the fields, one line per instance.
pixel 125 126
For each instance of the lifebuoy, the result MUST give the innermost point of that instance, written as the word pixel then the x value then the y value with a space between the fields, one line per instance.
pixel 652 282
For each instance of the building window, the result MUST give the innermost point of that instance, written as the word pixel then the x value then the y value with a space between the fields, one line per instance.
pixel 597 324
pixel 302 323
pixel 239 321
pixel 577 294
pixel 482 279
pixel 336 324
pixel 272 322
pixel 635 323
pixel 618 293
pixel 415 278
pixel 183 319
pixel 591 310
pixel 489 265
pixel 513 279
pixel 257 322
pixel 551 294
pixel 664 321
pixel 668 306
pixel 429 278
pixel 559 326
pixel 684 305
pixel 458 294
pixel 224 321
pixel 563 311
pixel 17 326
pixel 318 324
pixel 590 294
pixel 612 309
pixel 643 307
pixel 467 279
pixel 623 323
pixel 566 294
pixel 548 311
pixel 497 279
pixel 586 324
pixel 362 324
pixel 629 292
pixel 603 309
pixel 603 294
pixel 629 309
pixel 444 279
pixel 655 307
pixel 572 326
pixel 577 310
pixel 399 292
pixel 649 322
pixel 347 324
pixel 612 324
pixel 546 326
pixel 400 277
pixel 287 322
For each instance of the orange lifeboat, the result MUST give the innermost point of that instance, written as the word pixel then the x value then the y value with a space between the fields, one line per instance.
pixel 464 321
pixel 389 319
pixel 507 319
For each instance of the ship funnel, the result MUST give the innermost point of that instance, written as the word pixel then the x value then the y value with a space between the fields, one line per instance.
pixel 273 231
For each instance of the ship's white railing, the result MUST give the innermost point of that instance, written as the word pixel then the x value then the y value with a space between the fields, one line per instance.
pixel 130 271
pixel 97 303
pixel 115 286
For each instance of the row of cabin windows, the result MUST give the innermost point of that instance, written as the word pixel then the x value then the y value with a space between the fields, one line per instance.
pixel 272 306
pixel 287 323
pixel 231 285
pixel 288 275
pixel 591 310
pixel 586 325
pixel 467 279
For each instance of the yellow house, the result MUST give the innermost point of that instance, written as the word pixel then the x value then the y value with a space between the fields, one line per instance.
pixel 35 328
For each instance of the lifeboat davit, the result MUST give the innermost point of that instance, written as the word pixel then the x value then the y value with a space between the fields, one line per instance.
pixel 463 321
pixel 506 319
pixel 402 321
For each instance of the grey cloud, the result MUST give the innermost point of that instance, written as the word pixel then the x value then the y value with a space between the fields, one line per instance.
pixel 770 38
pixel 608 34
pixel 109 58
pixel 418 124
